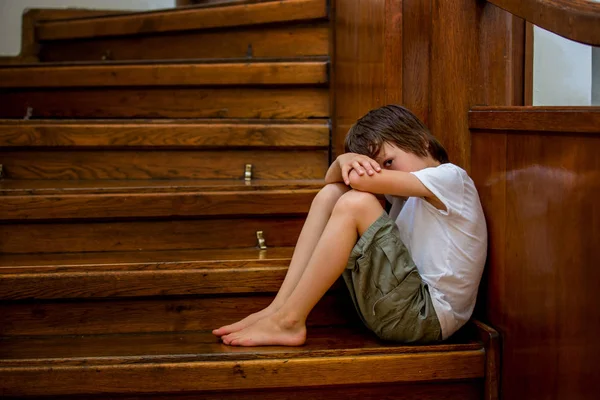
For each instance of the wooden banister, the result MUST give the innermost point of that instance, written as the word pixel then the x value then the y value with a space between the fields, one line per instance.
pixel 577 20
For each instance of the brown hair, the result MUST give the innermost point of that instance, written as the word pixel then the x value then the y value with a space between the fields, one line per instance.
pixel 398 126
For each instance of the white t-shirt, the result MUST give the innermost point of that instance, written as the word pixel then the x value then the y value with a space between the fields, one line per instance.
pixel 448 247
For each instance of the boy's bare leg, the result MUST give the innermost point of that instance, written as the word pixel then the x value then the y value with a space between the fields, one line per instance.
pixel 352 215
pixel 315 223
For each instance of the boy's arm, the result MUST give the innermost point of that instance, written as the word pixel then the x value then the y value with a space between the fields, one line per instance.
pixel 395 183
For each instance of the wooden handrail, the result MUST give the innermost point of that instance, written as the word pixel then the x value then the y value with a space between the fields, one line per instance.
pixel 577 20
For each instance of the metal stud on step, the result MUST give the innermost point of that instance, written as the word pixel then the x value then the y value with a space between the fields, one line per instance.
pixel 261 240
pixel 248 173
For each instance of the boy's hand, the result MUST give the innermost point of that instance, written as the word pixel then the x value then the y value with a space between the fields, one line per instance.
pixel 358 162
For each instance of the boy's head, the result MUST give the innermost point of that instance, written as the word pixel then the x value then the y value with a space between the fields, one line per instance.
pixel 393 125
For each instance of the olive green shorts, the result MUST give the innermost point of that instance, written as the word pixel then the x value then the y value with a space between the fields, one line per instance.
pixel 386 288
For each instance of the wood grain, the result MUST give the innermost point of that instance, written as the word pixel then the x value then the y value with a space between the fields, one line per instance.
pixel 157 314
pixel 280 103
pixel 92 236
pixel 214 74
pixel 577 20
pixel 539 192
pixel 185 19
pixel 289 41
pixel 176 164
pixel 164 133
pixel 220 375
pixel 128 205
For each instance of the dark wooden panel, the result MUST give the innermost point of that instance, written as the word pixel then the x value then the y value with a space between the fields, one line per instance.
pixel 72 206
pixel 464 390
pixel 184 74
pixel 72 186
pixel 539 192
pixel 368 61
pixel 164 133
pixel 177 164
pixel 83 317
pixel 148 235
pixel 264 42
pixel 228 375
pixel 577 20
pixel 546 119
pixel 185 19
pixel 473 62
pixel 416 44
pixel 167 103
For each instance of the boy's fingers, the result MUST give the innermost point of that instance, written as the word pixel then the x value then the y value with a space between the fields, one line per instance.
pixel 375 165
pixel 345 170
pixel 367 165
pixel 356 165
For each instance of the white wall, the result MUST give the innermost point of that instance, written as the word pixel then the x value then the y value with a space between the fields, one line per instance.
pixel 11 12
pixel 565 73
pixel 596 76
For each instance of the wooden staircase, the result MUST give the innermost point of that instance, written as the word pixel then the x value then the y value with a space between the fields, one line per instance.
pixel 144 158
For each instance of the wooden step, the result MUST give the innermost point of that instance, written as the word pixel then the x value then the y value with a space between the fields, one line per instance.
pixel 304 72
pixel 183 233
pixel 167 102
pixel 196 361
pixel 209 17
pixel 208 133
pixel 130 274
pixel 294 39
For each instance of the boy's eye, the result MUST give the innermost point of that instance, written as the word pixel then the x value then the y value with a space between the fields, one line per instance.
pixel 387 163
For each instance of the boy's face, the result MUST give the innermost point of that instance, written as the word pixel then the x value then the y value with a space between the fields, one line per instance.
pixel 392 158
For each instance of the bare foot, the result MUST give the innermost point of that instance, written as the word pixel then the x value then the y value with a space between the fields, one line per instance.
pixel 271 330
pixel 244 323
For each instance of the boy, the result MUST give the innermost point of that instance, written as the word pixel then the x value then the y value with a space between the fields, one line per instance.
pixel 413 274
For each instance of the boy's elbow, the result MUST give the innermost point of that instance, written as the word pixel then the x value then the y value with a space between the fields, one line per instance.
pixel 356 181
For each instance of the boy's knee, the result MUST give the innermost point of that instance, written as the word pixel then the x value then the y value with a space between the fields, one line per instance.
pixel 355 202
pixel 331 193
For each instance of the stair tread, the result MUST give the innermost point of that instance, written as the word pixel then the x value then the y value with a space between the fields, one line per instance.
pixel 208 73
pixel 17 187
pixel 221 15
pixel 143 273
pixel 200 346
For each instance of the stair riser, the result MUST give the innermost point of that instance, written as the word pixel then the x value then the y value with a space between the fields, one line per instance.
pixel 466 390
pixel 148 235
pixel 156 164
pixel 81 317
pixel 251 374
pixel 164 134
pixel 166 75
pixel 155 205
pixel 261 42
pixel 167 103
